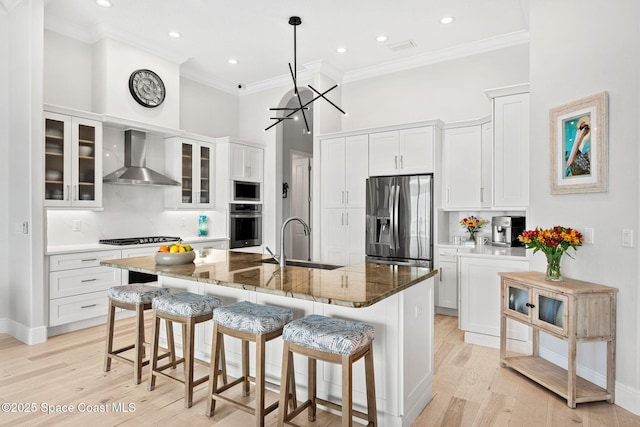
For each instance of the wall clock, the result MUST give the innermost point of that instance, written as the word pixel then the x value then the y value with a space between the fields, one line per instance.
pixel 147 88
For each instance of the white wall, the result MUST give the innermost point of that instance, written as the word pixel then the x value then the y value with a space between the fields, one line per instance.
pixel 113 63
pixel 450 91
pixel 579 48
pixel 207 111
pixel 68 80
pixel 4 167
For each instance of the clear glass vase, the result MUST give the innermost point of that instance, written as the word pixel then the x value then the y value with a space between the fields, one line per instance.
pixel 553 266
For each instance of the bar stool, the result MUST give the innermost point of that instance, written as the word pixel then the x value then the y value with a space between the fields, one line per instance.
pixel 336 341
pixel 188 309
pixel 246 321
pixel 138 298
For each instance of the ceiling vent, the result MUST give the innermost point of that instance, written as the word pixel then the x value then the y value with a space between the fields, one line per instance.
pixel 407 44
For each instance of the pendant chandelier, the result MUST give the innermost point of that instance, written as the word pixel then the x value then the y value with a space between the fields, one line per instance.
pixel 289 112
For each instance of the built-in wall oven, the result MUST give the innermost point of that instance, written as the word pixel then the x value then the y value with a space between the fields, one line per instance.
pixel 245 225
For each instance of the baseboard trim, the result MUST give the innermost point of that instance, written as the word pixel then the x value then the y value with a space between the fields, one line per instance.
pixel 23 333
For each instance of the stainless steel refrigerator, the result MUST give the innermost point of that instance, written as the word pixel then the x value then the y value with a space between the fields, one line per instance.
pixel 400 219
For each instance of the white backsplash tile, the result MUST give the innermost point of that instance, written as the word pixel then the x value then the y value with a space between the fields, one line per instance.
pixel 130 211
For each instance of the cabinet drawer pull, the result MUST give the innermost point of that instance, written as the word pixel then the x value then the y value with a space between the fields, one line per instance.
pixel 89 306
pixel 530 305
pixel 88 280
pixel 88 259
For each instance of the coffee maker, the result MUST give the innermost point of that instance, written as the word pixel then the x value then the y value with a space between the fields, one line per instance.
pixel 506 229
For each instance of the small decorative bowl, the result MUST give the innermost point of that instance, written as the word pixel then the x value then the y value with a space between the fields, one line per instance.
pixel 175 258
pixel 85 150
pixel 53 175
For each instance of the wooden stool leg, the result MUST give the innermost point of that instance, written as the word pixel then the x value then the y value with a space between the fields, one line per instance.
pixel 311 373
pixel 188 363
pixel 214 370
pixel 286 372
pixel 260 361
pixel 347 377
pixel 171 344
pixel 109 344
pixel 153 362
pixel 139 344
pixel 223 361
pixel 245 367
pixel 372 411
pixel 293 396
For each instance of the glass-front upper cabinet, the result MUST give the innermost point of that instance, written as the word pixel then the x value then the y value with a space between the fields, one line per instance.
pixel 191 163
pixel 73 161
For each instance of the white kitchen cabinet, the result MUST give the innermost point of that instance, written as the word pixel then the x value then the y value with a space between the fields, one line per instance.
pixel 467 167
pixel 343 236
pixel 447 281
pixel 78 286
pixel 344 171
pixel 192 163
pixel 245 162
pixel 511 150
pixel 73 161
pixel 480 303
pixel 402 152
pixel 343 192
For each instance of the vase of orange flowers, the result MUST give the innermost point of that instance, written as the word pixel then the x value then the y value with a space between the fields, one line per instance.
pixel 472 224
pixel 553 242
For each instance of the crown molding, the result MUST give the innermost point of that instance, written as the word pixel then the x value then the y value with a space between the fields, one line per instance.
pixel 99 30
pixel 456 52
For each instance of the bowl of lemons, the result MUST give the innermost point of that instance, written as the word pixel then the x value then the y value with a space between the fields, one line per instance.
pixel 175 254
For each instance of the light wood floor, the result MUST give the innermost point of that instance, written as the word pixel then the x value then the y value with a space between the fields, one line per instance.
pixel 470 389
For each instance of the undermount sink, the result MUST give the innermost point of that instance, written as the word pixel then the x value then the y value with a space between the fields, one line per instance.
pixel 305 264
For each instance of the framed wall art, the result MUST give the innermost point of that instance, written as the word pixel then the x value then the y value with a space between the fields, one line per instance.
pixel 579 146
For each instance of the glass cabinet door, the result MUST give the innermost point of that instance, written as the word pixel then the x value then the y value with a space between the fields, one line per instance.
pixel 57 152
pixel 187 175
pixel 551 311
pixel 205 184
pixel 517 300
pixel 86 166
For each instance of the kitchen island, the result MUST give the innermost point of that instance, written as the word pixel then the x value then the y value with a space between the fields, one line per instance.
pixel 396 300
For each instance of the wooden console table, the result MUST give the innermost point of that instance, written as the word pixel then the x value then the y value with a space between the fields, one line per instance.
pixel 571 310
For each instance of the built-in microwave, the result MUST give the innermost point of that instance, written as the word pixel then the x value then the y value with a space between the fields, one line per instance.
pixel 245 192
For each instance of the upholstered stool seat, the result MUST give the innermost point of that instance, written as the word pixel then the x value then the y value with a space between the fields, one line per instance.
pixel 246 321
pixel 188 309
pixel 331 340
pixel 138 298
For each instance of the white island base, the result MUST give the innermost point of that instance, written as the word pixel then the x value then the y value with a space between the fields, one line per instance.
pixel 403 347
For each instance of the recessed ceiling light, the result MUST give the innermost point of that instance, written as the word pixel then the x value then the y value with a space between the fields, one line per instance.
pixel 175 34
pixel 341 49
pixel 447 20
pixel 232 61
pixel 103 3
pixel 381 38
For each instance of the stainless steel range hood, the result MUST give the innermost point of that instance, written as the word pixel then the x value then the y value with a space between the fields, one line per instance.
pixel 134 170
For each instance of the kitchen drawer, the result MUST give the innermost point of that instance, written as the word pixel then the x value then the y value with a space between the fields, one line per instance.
pixel 81 281
pixel 78 307
pixel 80 260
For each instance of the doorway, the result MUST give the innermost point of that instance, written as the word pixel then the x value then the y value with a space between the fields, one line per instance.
pixel 294 162
pixel 300 191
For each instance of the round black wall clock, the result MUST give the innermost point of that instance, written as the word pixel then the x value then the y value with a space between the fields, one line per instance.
pixel 147 88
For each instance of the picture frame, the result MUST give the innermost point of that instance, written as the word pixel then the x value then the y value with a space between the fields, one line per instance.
pixel 579 146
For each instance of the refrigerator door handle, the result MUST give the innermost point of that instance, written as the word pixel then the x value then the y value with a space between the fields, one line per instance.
pixel 396 205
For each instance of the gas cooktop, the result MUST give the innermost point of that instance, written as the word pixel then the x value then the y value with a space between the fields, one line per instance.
pixel 138 240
